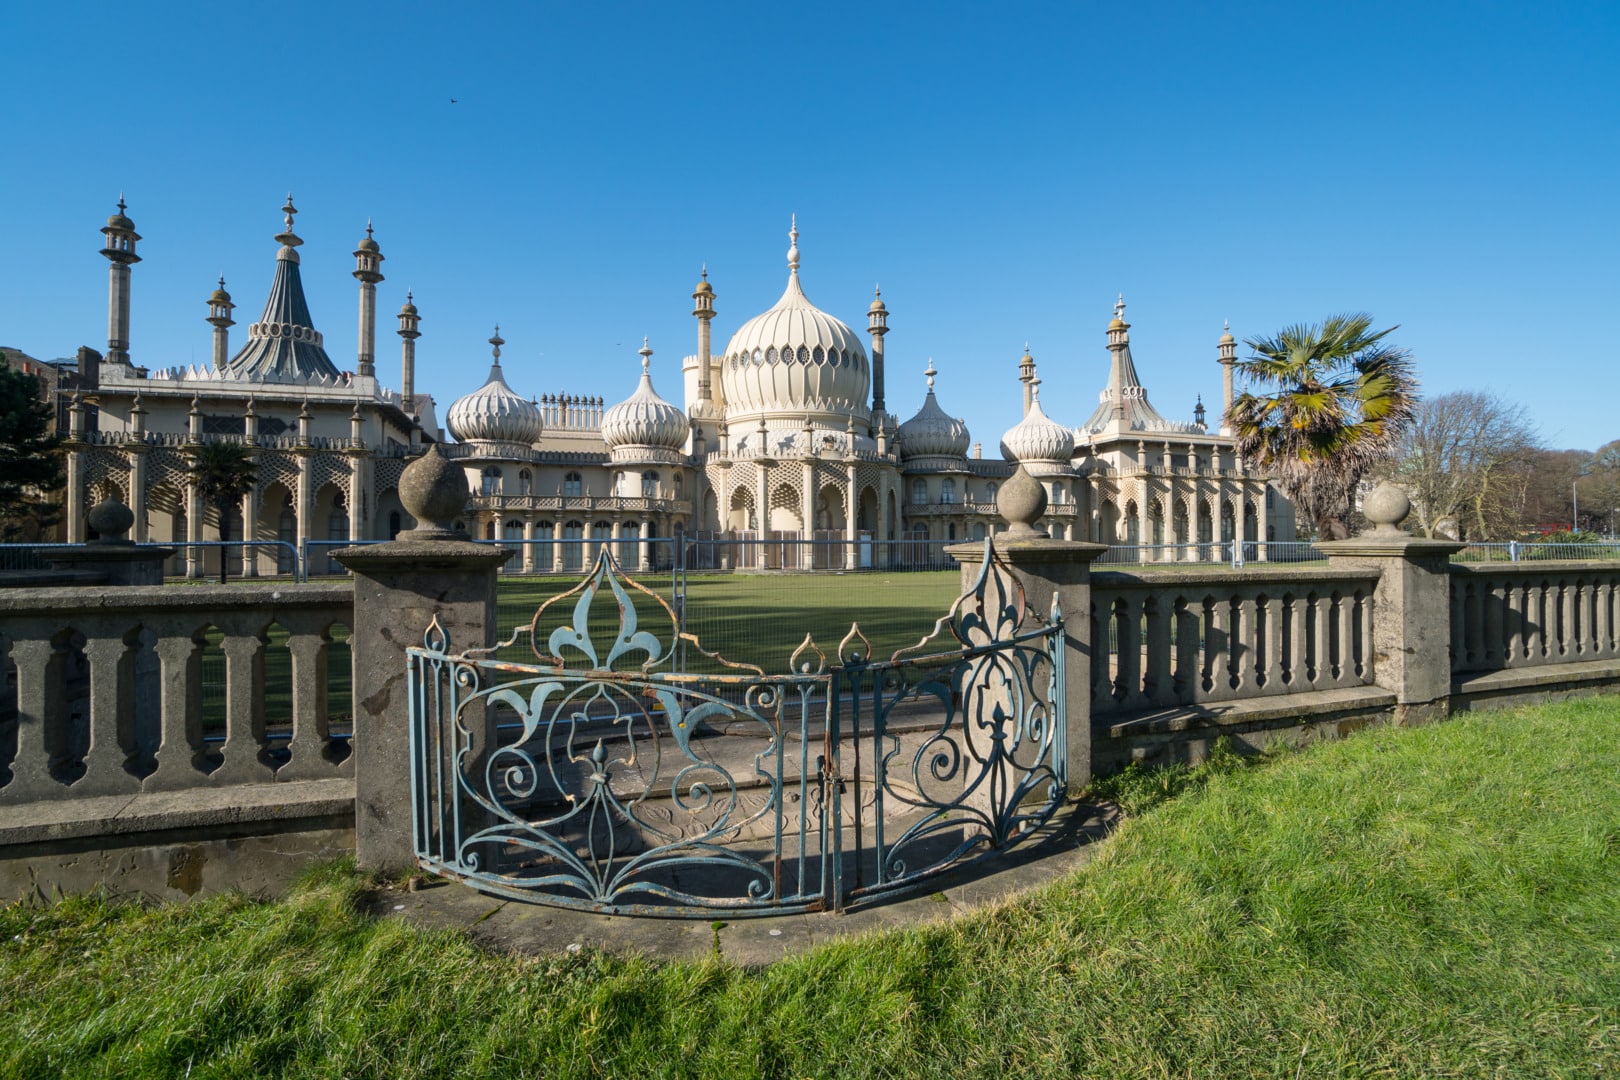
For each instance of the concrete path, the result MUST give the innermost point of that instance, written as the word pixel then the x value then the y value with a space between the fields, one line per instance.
pixel 507 925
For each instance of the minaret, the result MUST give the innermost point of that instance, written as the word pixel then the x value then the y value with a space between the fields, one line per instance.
pixel 409 320
pixel 1228 355
pixel 120 251
pixel 1119 342
pixel 219 316
pixel 703 308
pixel 1026 375
pixel 367 262
pixel 877 324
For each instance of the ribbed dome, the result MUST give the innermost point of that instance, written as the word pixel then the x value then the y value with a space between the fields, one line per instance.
pixel 644 418
pixel 795 359
pixel 931 433
pixel 494 412
pixel 1037 438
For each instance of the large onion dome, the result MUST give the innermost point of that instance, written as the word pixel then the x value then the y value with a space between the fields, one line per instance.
pixel 495 412
pixel 644 420
pixel 795 360
pixel 1038 442
pixel 931 433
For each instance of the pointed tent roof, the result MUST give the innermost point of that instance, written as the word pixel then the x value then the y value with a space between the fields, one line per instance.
pixel 1124 404
pixel 284 342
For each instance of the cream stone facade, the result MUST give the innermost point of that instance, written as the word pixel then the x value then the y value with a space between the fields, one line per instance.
pixel 783 434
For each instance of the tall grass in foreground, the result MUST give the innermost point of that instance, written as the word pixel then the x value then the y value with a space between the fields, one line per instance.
pixel 1434 902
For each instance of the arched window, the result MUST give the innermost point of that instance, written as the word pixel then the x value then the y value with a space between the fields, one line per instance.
pixel 947 493
pixel 680 486
pixel 492 481
pixel 919 491
pixel 649 485
pixel 990 490
pixel 572 485
pixel 526 482
pixel 1270 498
pixel 951 530
pixel 394 524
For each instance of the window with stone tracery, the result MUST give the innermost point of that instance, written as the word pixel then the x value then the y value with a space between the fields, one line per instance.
pixel 573 486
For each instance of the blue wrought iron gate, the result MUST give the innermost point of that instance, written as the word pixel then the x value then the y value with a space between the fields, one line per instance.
pixel 595 778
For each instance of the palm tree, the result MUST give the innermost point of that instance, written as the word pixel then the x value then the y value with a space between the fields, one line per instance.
pixel 224 472
pixel 1325 405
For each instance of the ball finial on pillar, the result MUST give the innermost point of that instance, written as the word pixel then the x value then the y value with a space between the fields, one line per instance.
pixel 1021 501
pixel 435 493
pixel 1386 507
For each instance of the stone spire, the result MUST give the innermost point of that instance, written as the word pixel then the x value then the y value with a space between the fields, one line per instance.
pixel 877 324
pixel 368 259
pixel 120 252
pixel 1124 405
pixel 703 308
pixel 219 317
pixel 1228 357
pixel 409 322
pixel 1026 375
pixel 284 343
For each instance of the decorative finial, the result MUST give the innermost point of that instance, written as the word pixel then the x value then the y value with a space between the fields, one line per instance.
pixel 705 271
pixel 646 355
pixel 408 297
pixel 877 292
pixel 930 373
pixel 1226 324
pixel 288 238
pixel 221 281
pixel 1119 308
pixel 121 206
pixel 368 228
pixel 793 250
pixel 497 341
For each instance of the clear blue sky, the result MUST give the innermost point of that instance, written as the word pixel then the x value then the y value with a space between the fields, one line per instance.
pixel 1002 170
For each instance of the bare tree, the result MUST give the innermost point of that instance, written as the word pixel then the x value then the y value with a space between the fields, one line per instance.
pixel 1462 460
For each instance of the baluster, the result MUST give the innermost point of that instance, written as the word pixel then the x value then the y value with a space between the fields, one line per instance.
pixel 1580 598
pixel 1563 600
pixel 1476 622
pixel 1515 623
pixel 112 705
pixel 1129 623
pixel 1272 615
pixel 310 728
pixel 1604 596
pixel 1217 684
pixel 1158 688
pixel 244 706
pixel 41 712
pixel 1102 679
pixel 1492 601
pixel 1532 623
pixel 1324 672
pixel 1188 678
pixel 1298 671
pixel 1243 676
pixel 179 755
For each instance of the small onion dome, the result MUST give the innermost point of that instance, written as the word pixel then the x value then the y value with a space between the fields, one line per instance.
pixel 931 433
pixel 494 412
pixel 410 306
pixel 368 244
pixel 219 295
pixel 703 286
pixel 877 303
pixel 644 418
pixel 1038 438
pixel 1226 335
pixel 119 221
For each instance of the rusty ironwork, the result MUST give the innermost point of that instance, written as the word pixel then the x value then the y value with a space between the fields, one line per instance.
pixel 604 776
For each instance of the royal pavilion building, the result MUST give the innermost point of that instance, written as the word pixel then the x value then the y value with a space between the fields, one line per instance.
pixel 783 435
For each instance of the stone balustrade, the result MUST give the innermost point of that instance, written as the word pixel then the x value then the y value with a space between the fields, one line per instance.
pixel 1172 640
pixel 105 692
pixel 1532 615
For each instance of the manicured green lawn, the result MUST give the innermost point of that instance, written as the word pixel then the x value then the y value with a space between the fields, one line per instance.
pixel 761 618
pixel 1443 901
